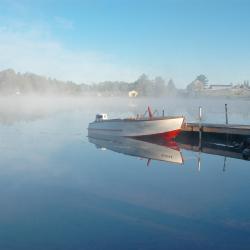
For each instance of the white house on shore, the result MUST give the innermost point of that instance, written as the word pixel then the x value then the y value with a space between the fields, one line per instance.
pixel 220 86
pixel 132 93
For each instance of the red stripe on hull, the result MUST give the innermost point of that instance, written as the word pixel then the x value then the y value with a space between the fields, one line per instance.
pixel 171 134
pixel 166 135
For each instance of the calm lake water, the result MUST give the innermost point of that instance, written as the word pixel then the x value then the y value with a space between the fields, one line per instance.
pixel 60 191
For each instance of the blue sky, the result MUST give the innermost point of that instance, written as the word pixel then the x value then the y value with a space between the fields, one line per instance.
pixel 91 41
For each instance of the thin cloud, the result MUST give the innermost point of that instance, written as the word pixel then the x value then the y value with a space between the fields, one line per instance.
pixel 36 51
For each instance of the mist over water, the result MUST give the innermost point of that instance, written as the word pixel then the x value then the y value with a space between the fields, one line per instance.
pixel 14 109
pixel 58 191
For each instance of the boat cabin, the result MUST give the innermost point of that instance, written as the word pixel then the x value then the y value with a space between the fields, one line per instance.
pixel 101 117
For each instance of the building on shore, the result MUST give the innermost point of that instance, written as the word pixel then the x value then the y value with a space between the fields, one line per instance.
pixel 132 93
pixel 220 86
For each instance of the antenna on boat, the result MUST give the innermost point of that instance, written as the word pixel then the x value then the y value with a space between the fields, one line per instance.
pixel 150 113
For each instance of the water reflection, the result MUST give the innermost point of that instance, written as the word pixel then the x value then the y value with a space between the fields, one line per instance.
pixel 151 150
pixel 232 146
pixel 160 149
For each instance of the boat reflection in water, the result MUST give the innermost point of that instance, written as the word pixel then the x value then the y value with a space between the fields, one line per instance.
pixel 160 149
pixel 164 150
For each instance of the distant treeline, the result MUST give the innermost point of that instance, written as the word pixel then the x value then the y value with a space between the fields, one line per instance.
pixel 12 83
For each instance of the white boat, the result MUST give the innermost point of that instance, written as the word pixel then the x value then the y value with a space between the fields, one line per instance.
pixel 150 150
pixel 168 126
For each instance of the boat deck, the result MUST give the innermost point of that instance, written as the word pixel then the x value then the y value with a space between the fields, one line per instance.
pixel 141 119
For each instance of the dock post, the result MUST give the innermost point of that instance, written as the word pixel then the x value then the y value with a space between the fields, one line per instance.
pixel 200 127
pixel 163 113
pixel 200 114
pixel 226 114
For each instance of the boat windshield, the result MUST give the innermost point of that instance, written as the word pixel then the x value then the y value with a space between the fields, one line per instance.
pixel 100 117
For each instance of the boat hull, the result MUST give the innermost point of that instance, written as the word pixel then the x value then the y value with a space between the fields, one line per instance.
pixel 169 127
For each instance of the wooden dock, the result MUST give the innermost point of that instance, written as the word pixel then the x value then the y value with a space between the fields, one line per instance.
pixel 217 128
